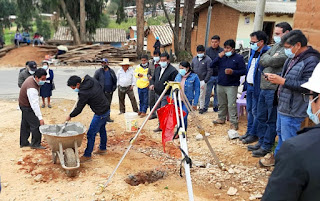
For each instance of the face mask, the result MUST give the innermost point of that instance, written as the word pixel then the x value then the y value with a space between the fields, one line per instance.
pixel 76 90
pixel 45 67
pixel 163 64
pixel 289 53
pixel 144 65
pixel 200 55
pixel 105 66
pixel 254 46
pixel 31 72
pixel 277 39
pixel 41 82
pixel 182 72
pixel 313 117
pixel 156 59
pixel 228 54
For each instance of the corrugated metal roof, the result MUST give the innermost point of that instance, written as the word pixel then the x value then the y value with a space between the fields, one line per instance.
pixel 101 35
pixel 164 32
pixel 249 6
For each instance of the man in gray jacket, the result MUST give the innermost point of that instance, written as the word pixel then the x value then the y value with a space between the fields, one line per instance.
pixel 30 69
pixel 272 61
pixel 201 66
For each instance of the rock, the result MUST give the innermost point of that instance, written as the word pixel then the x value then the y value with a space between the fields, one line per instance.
pixel 207 134
pixel 231 171
pixel 255 196
pixel 218 185
pixel 1 135
pixel 199 137
pixel 233 134
pixel 232 191
pixel 5 185
pixel 199 164
pixel 268 173
pixel 38 178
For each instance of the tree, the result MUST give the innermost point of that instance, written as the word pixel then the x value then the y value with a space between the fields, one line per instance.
pixel 83 21
pixel 25 13
pixel 176 28
pixel 140 26
pixel 187 18
pixel 6 8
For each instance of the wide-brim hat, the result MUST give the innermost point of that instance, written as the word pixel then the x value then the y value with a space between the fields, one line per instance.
pixel 125 61
pixel 313 83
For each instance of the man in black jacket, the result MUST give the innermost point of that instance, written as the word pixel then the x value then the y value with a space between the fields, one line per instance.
pixel 108 80
pixel 296 176
pixel 166 72
pixel 90 92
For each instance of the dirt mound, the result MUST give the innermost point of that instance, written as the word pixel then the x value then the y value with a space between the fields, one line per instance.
pixel 19 56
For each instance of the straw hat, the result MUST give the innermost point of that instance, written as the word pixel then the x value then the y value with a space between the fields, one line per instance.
pixel 125 62
pixel 314 82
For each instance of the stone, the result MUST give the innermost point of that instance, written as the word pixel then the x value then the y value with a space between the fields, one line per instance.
pixel 207 134
pixel 5 185
pixel 199 164
pixel 199 137
pixel 38 178
pixel 231 171
pixel 218 185
pixel 255 196
pixel 232 191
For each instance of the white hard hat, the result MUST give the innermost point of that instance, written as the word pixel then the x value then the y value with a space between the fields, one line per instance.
pixel 313 83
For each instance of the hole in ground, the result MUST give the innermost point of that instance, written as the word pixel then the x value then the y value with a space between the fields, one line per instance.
pixel 145 177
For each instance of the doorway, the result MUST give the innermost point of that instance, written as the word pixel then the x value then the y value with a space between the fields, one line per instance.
pixel 268 29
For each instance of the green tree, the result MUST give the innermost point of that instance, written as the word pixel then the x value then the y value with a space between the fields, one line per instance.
pixel 105 21
pixel 25 13
pixel 112 8
pixel 6 8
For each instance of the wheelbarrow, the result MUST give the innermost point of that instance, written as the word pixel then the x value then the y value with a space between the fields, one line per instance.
pixel 64 140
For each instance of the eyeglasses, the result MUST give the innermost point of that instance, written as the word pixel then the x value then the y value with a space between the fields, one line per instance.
pixel 313 94
pixel 252 43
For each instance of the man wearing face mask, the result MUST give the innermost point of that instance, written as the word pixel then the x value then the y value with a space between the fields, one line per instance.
pixel 141 74
pixel 31 114
pixel 165 73
pixel 296 175
pixel 90 92
pixel 272 61
pixel 292 106
pixel 30 69
pixel 230 67
pixel 201 66
pixel 108 81
pixel 152 66
pixel 258 46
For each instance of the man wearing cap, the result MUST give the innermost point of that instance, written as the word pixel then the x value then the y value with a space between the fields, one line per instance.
pixel 157 44
pixel 296 175
pixel 108 81
pixel 30 69
pixel 29 106
pixel 125 82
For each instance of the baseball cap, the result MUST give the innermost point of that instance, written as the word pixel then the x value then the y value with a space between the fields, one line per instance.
pixel 313 83
pixel 32 65
pixel 104 60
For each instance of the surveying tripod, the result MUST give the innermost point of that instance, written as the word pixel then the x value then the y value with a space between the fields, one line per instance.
pixel 179 97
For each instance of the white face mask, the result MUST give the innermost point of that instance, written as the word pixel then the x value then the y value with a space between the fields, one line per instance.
pixel 163 64
pixel 31 72
pixel 144 65
pixel 45 67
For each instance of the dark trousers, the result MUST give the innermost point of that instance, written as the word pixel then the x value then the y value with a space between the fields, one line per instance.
pixel 122 91
pixel 109 98
pixel 152 99
pixel 29 123
pixel 252 103
pixel 143 99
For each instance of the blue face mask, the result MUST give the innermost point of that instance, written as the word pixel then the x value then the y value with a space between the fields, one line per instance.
pixel 277 39
pixel 41 82
pixel 289 53
pixel 45 67
pixel 200 55
pixel 163 64
pixel 182 72
pixel 156 59
pixel 254 46
pixel 228 54
pixel 313 117
pixel 76 90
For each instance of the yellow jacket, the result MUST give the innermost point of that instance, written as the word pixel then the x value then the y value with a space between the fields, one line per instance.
pixel 142 82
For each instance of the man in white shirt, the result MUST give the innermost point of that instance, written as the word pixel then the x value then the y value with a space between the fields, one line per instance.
pixel 125 82
pixel 31 114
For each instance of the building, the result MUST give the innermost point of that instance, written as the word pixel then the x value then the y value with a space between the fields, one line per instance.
pixel 133 32
pixel 114 37
pixel 307 18
pixel 165 34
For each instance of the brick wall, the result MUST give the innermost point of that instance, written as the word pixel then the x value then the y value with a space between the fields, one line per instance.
pixel 307 18
pixel 150 42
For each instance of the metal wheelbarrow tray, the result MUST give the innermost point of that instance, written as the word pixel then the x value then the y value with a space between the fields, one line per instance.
pixel 65 145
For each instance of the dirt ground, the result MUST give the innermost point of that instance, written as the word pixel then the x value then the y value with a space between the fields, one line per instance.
pixel 20 167
pixel 18 57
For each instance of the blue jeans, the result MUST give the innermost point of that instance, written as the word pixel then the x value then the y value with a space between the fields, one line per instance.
pixel 98 124
pixel 252 102
pixel 267 119
pixel 185 118
pixel 143 98
pixel 212 82
pixel 287 128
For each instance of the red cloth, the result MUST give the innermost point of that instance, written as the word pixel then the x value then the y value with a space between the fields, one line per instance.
pixel 168 121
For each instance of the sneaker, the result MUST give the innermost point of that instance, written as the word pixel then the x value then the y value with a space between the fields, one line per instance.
pixel 139 113
pixel 43 105
pixel 204 110
pixel 37 147
pixel 234 127
pixel 49 106
pixel 218 121
pixel 157 130
pixel 215 109
pixel 250 139
pixel 100 152
pixel 143 114
pixel 260 152
pixel 201 111
pixel 267 161
pixel 253 147
pixel 242 137
pixel 84 159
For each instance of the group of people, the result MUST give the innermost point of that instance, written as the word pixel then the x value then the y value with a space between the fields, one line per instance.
pixel 25 38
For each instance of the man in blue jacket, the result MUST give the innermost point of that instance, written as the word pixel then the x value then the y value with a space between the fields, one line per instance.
pixel 231 67
pixel 258 46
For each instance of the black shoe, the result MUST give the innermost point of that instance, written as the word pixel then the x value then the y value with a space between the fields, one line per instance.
pixel 109 120
pixel 215 109
pixel 157 130
pixel 253 147
pixel 250 139
pixel 38 147
pixel 204 110
pixel 28 145
pixel 153 116
pixel 242 137
pixel 260 152
pixel 201 111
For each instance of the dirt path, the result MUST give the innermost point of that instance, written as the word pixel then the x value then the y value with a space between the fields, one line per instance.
pixel 19 167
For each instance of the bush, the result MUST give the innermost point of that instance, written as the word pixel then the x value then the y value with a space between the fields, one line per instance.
pixel 43 28
pixel 105 21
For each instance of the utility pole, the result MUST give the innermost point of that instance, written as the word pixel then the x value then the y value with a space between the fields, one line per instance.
pixel 258 18
pixel 208 25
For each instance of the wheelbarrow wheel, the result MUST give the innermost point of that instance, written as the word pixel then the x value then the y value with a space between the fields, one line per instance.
pixel 70 161
pixel 54 157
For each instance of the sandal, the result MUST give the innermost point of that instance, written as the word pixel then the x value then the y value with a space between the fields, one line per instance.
pixel 43 106
pixel 49 106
